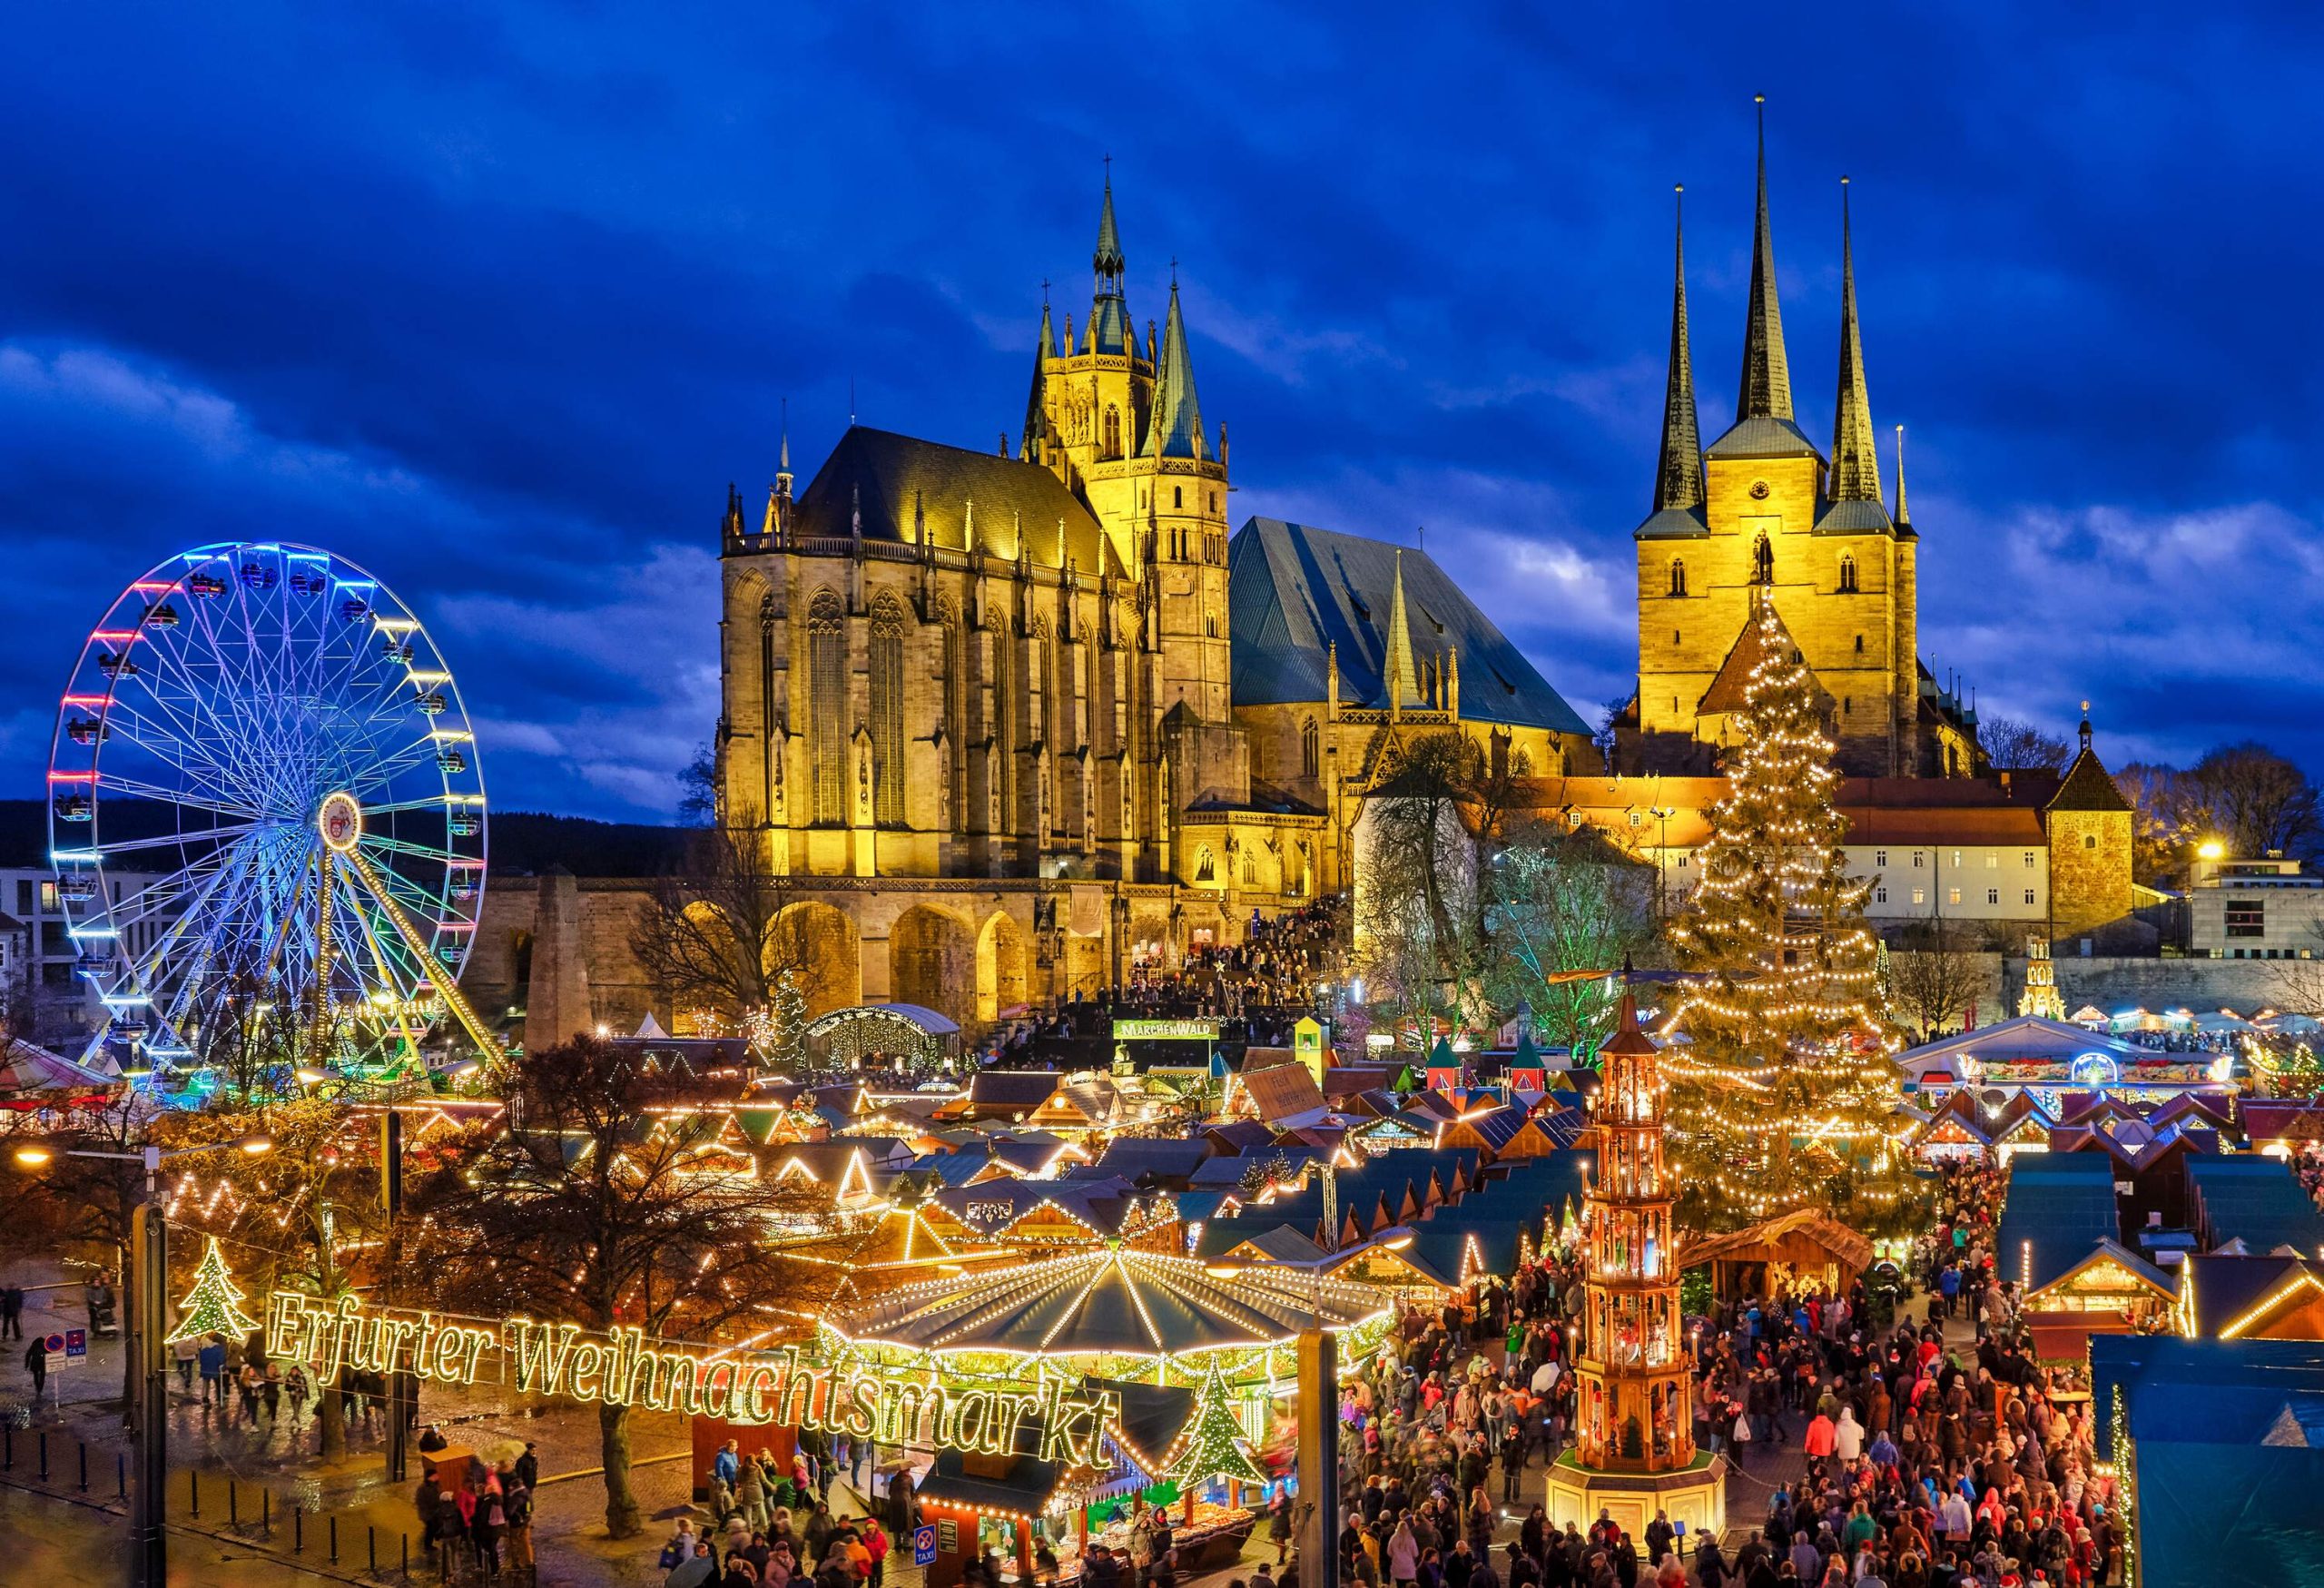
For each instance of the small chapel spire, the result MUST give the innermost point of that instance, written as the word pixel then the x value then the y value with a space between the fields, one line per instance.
pixel 1110 328
pixel 1399 676
pixel 1855 460
pixel 1767 377
pixel 1037 410
pixel 1678 478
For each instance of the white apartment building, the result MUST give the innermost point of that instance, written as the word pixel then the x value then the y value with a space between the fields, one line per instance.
pixel 2254 910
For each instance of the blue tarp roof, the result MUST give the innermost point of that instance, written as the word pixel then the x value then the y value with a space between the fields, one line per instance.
pixel 2255 1200
pixel 2061 1202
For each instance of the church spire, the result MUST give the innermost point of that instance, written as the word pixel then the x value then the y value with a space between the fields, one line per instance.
pixel 1903 514
pixel 1109 328
pixel 1766 378
pixel 1037 413
pixel 1176 429
pixel 1399 676
pixel 1678 479
pixel 1855 460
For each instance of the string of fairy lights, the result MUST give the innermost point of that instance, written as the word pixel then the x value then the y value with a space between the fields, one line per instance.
pixel 1781 1093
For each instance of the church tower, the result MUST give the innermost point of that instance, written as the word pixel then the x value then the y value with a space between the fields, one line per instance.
pixel 1762 514
pixel 1121 424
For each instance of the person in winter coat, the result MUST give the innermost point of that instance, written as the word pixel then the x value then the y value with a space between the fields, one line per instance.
pixel 1848 1437
pixel 1404 1555
pixel 1818 1439
pixel 487 1525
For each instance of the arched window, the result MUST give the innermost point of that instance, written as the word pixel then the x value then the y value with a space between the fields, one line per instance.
pixel 1113 431
pixel 1310 748
pixel 1250 868
pixel 1763 562
pixel 827 705
pixel 1206 867
pixel 888 712
pixel 1178 495
pixel 1678 576
pixel 1847 575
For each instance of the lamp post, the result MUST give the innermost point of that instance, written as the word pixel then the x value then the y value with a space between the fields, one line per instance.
pixel 149 1561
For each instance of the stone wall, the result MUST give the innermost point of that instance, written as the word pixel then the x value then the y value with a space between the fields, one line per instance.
pixel 2119 982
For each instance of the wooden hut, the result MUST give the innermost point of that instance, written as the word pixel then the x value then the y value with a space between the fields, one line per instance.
pixel 1799 1248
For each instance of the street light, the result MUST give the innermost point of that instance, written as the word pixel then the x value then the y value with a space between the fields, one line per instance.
pixel 149 1559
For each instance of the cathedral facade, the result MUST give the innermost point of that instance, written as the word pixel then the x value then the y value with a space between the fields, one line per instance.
pixel 1762 516
pixel 1012 721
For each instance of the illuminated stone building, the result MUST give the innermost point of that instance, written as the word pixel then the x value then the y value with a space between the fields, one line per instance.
pixel 1761 514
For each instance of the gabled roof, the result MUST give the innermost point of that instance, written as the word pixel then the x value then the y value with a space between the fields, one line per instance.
pixel 2255 1199
pixel 899 486
pixel 2239 1292
pixel 2087 786
pixel 2060 1206
pixel 1283 1093
pixel 1751 648
pixel 1297 591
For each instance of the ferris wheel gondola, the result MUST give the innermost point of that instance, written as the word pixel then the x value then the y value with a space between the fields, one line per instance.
pixel 266 810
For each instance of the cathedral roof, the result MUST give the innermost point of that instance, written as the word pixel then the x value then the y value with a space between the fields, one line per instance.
pixel 897 484
pixel 1297 591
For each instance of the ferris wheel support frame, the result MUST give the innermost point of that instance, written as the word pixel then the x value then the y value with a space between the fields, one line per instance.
pixel 490 1052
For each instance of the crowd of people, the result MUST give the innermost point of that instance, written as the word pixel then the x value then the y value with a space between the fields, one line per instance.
pixel 771 1525
pixel 470 1510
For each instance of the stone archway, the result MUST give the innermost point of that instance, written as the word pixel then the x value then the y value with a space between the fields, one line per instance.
pixel 1000 965
pixel 821 940
pixel 933 962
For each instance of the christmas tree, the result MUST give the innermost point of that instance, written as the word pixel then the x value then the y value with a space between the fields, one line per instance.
pixel 214 1307
pixel 1212 1444
pixel 1783 1094
pixel 788 1050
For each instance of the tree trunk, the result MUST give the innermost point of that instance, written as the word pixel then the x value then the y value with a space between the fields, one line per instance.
pixel 331 1417
pixel 623 1519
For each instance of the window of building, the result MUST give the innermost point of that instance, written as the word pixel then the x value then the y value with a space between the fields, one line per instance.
pixel 1637 818
pixel 1250 869
pixel 1847 575
pixel 1880 895
pixel 2246 918
pixel 1880 857
pixel 1310 747
pixel 1678 576
pixel 1916 859
pixel 1956 860
pixel 1920 896
pixel 1859 644
pixel 1847 705
pixel 1992 895
pixel 2029 895
pixel 1992 859
pixel 2089 841
pixel 1206 867
pixel 1113 431
pixel 2029 859
pixel 24 898
pixel 827 705
pixel 1178 495
pixel 1953 895
pixel 888 712
pixel 1674 636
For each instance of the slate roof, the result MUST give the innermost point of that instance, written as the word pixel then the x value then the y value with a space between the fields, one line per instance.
pixel 1295 591
pixel 884 474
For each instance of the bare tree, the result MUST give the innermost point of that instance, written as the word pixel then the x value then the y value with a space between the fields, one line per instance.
pixel 2253 800
pixel 1938 971
pixel 719 934
pixel 2015 745
pixel 1431 824
pixel 1565 900
pixel 698 789
pixel 570 1210
pixel 2161 844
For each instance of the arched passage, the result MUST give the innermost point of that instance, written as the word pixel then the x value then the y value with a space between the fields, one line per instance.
pixel 820 942
pixel 933 962
pixel 1000 966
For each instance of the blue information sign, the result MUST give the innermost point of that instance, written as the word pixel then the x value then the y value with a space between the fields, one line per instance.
pixel 923 1545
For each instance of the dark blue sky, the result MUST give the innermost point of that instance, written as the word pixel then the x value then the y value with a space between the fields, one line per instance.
pixel 496 300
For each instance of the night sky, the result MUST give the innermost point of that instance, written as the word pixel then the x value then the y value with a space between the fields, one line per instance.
pixel 496 300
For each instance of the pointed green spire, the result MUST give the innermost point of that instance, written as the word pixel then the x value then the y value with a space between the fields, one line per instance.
pixel 1855 462
pixel 1110 330
pixel 1904 513
pixel 1399 675
pixel 1767 377
pixel 1174 430
pixel 1678 479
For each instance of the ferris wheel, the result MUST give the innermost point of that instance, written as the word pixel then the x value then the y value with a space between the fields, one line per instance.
pixel 266 816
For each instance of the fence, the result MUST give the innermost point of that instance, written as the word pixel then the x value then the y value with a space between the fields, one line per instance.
pixel 32 1460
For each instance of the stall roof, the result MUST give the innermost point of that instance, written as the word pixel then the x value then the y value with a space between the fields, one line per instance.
pixel 2255 1200
pixel 2059 1207
pixel 1107 1302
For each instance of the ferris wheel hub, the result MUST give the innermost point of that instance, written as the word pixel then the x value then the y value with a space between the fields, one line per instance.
pixel 341 821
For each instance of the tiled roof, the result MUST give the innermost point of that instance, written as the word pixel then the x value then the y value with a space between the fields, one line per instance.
pixel 2088 788
pixel 889 478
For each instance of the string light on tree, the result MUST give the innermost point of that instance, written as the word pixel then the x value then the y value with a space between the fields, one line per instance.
pixel 1785 1095
pixel 1213 1445
pixel 214 1307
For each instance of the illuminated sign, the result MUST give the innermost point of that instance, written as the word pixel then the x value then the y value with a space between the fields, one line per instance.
pixel 1166 1031
pixel 624 1368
